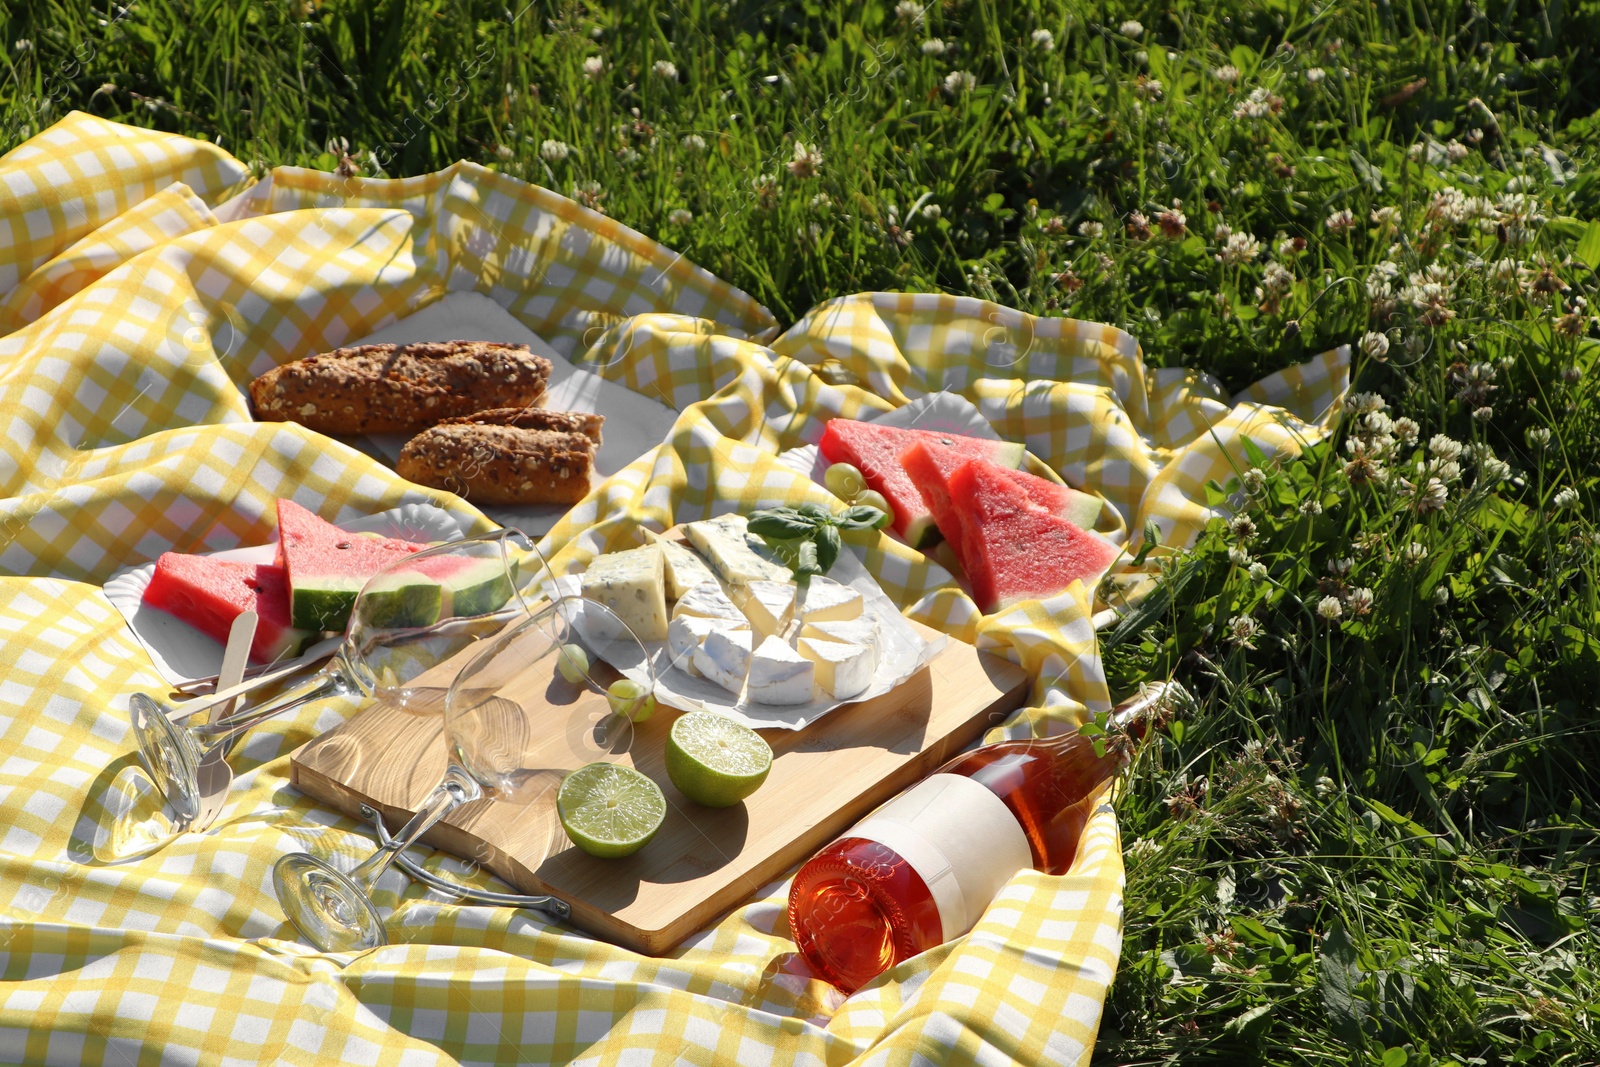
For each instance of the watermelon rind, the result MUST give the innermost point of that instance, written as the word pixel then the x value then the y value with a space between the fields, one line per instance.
pixel 400 600
pixel 875 450
pixel 481 589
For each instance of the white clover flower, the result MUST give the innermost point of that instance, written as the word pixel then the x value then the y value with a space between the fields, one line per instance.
pixel 1238 557
pixel 1132 28
pixel 593 67
pixel 908 11
pixel 1342 221
pixel 1565 498
pixel 665 68
pixel 1315 75
pixel 1222 232
pixel 1456 151
pixel 1311 507
pixel 1415 552
pixel 1258 105
pixel 1441 595
pixel 1141 847
pixel 1431 496
pixel 1044 40
pixel 680 216
pixel 1243 528
pixel 1324 786
pixel 1375 345
pixel 1385 216
pixel 1330 608
pixel 23 45
pixel 932 211
pixel 693 142
pixel 552 151
pixel 1240 248
pixel 1258 572
pixel 1363 403
pixel 1443 447
pixel 807 160
pixel 1406 430
pixel 1538 436
pixel 958 82
pixel 1340 566
pixel 1276 278
pixel 1148 88
pixel 1289 246
pixel 1254 480
pixel 1227 74
pixel 1483 414
pixel 1360 600
pixel 933 46
pixel 504 151
pixel 1242 630
pixel 1091 229
pixel 1492 470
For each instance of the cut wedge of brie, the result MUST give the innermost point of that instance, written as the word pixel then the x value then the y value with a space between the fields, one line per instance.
pixel 686 633
pixel 862 631
pixel 769 606
pixel 843 669
pixel 829 601
pixel 779 674
pixel 708 601
pixel 724 657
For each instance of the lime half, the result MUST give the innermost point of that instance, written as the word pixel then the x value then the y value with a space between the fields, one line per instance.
pixel 715 761
pixel 610 810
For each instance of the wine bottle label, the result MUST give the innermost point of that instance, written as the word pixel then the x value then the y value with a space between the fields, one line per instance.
pixel 960 838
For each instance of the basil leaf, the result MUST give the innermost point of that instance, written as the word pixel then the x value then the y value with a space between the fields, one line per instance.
pixel 819 513
pixel 828 547
pixel 772 522
pixel 806 562
pixel 859 517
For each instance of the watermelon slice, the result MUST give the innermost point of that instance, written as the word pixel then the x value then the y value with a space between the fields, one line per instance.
pixel 209 594
pixel 1012 549
pixel 327 567
pixel 930 467
pixel 466 586
pixel 876 449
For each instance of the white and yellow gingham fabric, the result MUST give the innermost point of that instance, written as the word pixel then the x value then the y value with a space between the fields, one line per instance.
pixel 146 279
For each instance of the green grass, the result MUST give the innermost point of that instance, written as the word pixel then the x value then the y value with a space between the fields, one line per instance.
pixel 1373 840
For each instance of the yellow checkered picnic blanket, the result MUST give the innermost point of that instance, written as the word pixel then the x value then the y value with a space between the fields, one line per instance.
pixel 147 279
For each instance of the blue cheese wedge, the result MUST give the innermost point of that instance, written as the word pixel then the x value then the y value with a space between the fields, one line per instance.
pixel 843 669
pixel 685 570
pixel 724 657
pixel 686 633
pixel 727 544
pixel 779 674
pixel 632 584
pixel 829 601
pixel 769 606
pixel 708 601
pixel 862 631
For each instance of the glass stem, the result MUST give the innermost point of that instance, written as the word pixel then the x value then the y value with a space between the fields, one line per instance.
pixel 457 789
pixel 326 683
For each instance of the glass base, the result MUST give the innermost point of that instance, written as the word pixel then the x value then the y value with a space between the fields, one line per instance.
pixel 329 910
pixel 171 755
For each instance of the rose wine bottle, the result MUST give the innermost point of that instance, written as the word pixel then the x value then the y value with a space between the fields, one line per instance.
pixel 921 869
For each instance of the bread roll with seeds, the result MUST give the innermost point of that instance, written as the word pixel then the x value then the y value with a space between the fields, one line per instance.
pixel 400 388
pixel 584 422
pixel 500 464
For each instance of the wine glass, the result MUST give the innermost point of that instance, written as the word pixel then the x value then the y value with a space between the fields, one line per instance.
pixel 527 708
pixel 414 614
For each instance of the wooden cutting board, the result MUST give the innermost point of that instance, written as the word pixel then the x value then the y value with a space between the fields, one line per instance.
pixel 704 861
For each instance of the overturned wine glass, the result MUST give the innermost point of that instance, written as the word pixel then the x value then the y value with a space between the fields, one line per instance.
pixel 408 617
pixel 528 707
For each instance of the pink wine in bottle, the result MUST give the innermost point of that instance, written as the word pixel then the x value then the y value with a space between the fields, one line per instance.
pixel 920 870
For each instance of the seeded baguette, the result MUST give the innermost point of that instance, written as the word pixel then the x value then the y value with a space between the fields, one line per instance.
pixel 400 388
pixel 500 464
pixel 582 422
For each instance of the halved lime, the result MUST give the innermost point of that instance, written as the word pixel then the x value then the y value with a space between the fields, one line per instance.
pixel 715 761
pixel 610 810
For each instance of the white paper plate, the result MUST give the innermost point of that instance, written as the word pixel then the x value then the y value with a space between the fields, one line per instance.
pixel 635 423
pixel 183 654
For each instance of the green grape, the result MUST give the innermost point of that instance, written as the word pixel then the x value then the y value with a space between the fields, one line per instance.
pixel 630 699
pixel 573 663
pixel 844 482
pixel 873 498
